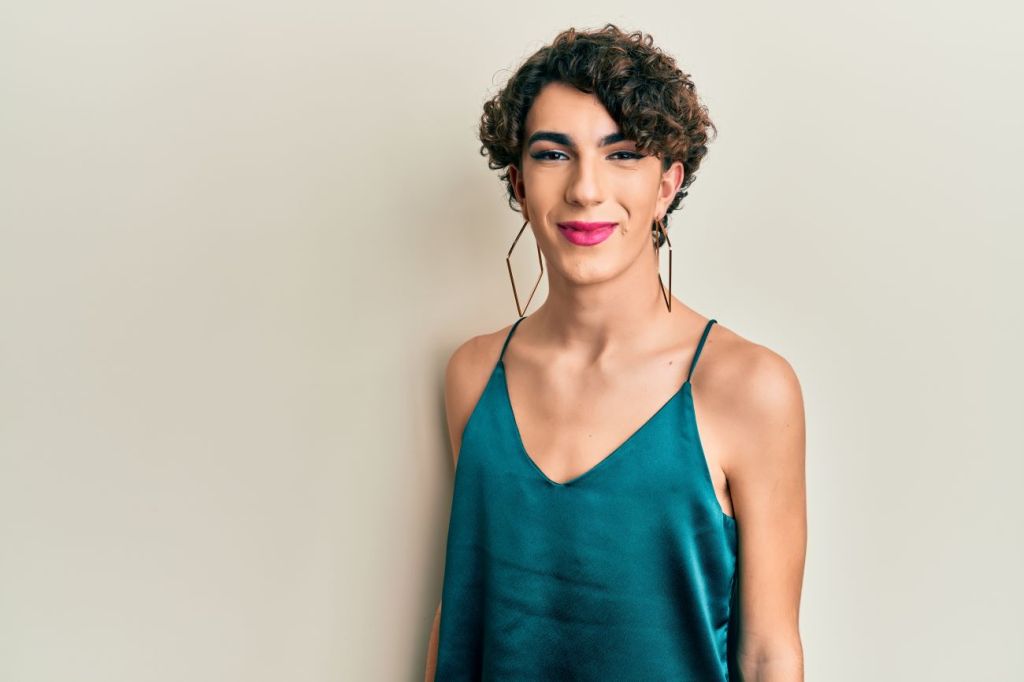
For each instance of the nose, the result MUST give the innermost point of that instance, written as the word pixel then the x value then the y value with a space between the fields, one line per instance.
pixel 586 185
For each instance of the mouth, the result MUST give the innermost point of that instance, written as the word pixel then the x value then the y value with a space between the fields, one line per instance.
pixel 582 226
pixel 586 234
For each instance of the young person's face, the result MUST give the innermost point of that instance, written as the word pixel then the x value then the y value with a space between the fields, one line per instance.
pixel 575 166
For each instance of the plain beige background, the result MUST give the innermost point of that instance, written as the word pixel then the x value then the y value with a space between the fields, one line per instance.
pixel 239 240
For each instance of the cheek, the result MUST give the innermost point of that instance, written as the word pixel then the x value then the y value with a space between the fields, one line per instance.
pixel 537 187
pixel 641 225
pixel 637 193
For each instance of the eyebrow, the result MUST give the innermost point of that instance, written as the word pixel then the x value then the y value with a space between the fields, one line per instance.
pixel 562 138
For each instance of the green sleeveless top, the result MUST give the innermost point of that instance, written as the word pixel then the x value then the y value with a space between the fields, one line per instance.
pixel 625 572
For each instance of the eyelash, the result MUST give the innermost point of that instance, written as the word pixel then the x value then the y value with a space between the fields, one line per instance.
pixel 540 155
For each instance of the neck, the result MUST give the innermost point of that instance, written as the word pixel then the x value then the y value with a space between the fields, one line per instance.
pixel 600 318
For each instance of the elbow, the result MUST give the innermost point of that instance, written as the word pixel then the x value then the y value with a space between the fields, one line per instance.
pixel 783 662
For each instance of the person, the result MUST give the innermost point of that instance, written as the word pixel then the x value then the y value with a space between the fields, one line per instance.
pixel 629 495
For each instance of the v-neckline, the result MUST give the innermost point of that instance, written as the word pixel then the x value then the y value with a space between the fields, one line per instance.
pixel 521 446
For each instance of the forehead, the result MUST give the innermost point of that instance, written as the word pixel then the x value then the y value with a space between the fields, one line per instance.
pixel 563 108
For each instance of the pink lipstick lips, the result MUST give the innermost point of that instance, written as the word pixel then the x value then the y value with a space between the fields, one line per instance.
pixel 586 234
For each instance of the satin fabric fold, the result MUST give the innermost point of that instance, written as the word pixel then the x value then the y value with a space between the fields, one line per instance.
pixel 625 573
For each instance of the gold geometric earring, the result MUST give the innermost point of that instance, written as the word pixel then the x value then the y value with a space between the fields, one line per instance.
pixel 660 225
pixel 508 262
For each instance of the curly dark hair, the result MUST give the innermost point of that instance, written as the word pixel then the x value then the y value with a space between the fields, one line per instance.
pixel 643 90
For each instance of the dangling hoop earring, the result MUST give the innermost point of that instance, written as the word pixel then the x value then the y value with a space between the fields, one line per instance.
pixel 660 227
pixel 508 261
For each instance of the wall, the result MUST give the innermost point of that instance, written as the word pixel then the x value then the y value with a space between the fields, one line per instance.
pixel 239 240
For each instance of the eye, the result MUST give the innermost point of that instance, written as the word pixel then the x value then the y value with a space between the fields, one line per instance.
pixel 543 156
pixel 623 155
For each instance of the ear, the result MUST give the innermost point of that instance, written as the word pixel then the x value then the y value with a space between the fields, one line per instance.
pixel 515 178
pixel 671 180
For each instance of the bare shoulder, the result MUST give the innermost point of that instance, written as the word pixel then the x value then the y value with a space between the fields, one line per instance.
pixel 756 390
pixel 758 423
pixel 466 376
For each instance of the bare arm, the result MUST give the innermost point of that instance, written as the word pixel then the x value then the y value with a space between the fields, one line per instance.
pixel 462 389
pixel 432 647
pixel 766 478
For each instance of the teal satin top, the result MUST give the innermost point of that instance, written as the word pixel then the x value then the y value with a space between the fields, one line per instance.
pixel 626 572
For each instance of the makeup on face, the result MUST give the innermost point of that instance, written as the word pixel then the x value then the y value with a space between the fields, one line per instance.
pixel 579 232
pixel 588 175
pixel 583 233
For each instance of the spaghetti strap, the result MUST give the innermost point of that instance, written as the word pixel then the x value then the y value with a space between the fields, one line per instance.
pixel 513 530
pixel 509 336
pixel 700 347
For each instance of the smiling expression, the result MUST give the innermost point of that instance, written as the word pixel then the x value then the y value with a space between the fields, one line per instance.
pixel 589 195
